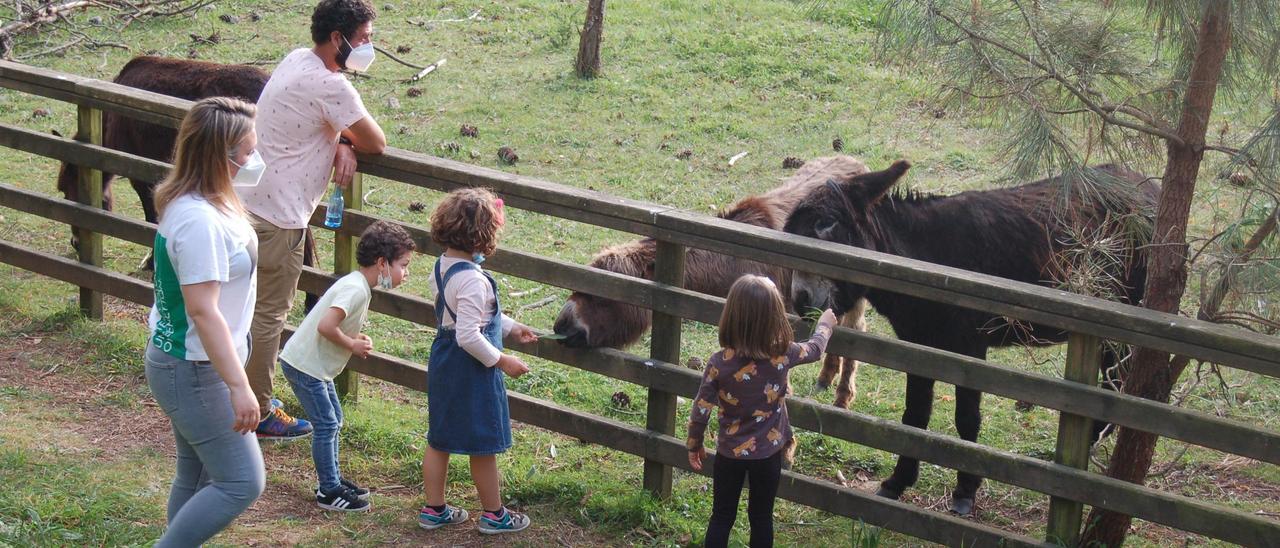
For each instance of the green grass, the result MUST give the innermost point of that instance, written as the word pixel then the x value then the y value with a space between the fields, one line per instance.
pixel 771 78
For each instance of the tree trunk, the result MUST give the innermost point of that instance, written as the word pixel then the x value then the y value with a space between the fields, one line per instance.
pixel 1153 373
pixel 588 65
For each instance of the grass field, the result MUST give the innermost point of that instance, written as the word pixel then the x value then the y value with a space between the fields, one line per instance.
pixel 86 457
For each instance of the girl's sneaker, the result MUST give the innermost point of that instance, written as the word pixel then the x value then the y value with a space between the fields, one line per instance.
pixel 431 519
pixel 509 522
pixel 342 500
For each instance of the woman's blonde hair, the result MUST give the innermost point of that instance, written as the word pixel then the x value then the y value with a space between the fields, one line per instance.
pixel 208 136
pixel 754 322
pixel 468 220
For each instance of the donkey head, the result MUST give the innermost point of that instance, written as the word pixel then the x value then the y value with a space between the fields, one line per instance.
pixel 594 322
pixel 840 212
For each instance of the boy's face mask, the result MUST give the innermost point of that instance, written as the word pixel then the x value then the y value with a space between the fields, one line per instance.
pixel 384 277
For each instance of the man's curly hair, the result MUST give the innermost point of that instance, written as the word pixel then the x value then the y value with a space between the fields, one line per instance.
pixel 343 16
pixel 467 220
pixel 383 240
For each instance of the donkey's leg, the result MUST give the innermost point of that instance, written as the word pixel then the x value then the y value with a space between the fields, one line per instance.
pixel 968 422
pixel 919 407
pixel 146 195
pixel 847 390
pixel 830 370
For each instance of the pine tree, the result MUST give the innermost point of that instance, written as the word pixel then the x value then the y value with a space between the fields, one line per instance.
pixel 1074 83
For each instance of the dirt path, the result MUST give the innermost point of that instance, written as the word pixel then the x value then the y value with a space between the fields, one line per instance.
pixel 285 515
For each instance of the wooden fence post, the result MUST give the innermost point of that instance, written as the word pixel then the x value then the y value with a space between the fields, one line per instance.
pixel 664 346
pixel 89 130
pixel 1075 436
pixel 344 261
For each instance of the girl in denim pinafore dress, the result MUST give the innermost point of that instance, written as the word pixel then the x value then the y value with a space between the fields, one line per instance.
pixel 466 402
pixel 466 394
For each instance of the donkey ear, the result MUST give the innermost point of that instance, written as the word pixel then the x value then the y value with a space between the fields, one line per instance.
pixel 869 188
pixel 55 133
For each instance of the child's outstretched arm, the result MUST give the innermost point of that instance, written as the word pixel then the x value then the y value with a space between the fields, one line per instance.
pixel 360 345
pixel 809 351
pixel 520 333
pixel 706 400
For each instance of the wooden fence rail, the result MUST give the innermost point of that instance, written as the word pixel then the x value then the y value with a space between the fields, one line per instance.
pixel 1063 482
pixel 1088 320
pixel 820 494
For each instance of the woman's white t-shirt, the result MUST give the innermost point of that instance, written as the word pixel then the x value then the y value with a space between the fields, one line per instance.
pixel 197 243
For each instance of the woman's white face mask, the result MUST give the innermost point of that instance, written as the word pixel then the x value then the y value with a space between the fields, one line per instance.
pixel 360 57
pixel 249 174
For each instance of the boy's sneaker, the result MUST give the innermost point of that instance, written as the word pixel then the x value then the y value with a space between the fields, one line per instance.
pixel 431 519
pixel 280 426
pixel 359 491
pixel 342 500
pixel 510 522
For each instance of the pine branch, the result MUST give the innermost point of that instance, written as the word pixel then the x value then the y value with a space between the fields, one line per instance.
pixel 1107 114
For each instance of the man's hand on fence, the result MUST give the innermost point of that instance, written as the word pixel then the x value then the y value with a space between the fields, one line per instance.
pixel 344 165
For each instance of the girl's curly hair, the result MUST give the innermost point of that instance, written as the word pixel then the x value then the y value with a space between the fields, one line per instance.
pixel 468 220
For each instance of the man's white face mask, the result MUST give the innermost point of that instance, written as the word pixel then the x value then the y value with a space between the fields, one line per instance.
pixel 360 57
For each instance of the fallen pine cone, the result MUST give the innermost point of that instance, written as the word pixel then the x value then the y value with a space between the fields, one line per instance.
pixel 413 92
pixel 837 144
pixel 404 49
pixel 621 400
pixel 694 363
pixel 450 146
pixel 468 130
pixel 684 154
pixel 417 207
pixel 229 19
pixel 508 155
pixel 40 113
pixel 791 162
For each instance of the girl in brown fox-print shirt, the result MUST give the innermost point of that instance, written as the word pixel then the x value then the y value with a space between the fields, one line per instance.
pixel 747 381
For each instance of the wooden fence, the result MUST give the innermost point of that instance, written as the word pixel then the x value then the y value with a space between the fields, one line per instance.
pixel 1089 320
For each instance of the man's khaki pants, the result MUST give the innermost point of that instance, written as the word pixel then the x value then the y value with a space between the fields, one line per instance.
pixel 279 266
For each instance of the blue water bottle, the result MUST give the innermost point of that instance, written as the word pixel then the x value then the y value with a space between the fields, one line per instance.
pixel 333 216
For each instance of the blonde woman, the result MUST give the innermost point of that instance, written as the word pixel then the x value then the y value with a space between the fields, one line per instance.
pixel 205 284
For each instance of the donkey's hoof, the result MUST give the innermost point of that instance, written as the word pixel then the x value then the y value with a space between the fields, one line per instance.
pixel 962 506
pixel 822 385
pixel 888 493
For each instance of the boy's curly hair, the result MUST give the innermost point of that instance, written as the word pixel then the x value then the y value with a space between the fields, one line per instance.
pixel 467 220
pixel 340 15
pixel 382 239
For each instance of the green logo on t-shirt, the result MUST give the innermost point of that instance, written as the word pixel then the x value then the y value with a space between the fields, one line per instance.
pixel 171 329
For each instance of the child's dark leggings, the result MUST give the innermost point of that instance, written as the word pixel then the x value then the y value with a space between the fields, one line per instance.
pixel 726 487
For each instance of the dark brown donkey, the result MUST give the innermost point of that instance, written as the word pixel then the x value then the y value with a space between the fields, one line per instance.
pixel 1027 233
pixel 181 78
pixel 593 322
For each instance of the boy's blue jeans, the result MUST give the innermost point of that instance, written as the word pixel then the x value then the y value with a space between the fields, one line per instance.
pixel 320 401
